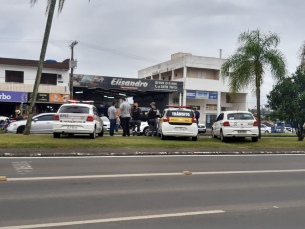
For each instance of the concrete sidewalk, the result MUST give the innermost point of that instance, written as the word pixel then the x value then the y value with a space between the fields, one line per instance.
pixel 141 151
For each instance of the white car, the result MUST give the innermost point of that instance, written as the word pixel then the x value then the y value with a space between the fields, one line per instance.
pixel 287 130
pixel 235 124
pixel 106 123
pixel 41 124
pixel 178 122
pixel 265 129
pixel 78 118
pixel 144 128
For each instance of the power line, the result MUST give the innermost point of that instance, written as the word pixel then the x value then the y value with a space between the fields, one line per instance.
pixel 84 44
pixel 118 52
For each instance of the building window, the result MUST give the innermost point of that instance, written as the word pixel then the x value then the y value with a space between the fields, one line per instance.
pixel 48 78
pixel 14 76
pixel 202 75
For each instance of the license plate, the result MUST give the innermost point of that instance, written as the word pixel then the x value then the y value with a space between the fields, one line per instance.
pixel 72 127
pixel 180 129
pixel 241 131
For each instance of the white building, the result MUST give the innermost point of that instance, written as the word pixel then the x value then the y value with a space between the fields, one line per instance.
pixel 203 85
pixel 17 78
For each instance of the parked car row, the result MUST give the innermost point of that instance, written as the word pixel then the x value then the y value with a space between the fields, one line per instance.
pixel 83 118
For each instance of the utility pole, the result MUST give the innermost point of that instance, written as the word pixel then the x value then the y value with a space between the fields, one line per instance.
pixel 72 66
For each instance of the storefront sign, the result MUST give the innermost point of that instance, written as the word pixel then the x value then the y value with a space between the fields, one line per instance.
pixel 126 83
pixel 202 95
pixel 58 98
pixel 11 96
pixel 213 96
pixel 211 107
pixel 41 97
pixel 191 94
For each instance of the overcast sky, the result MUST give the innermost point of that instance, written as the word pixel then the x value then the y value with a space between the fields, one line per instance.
pixel 145 33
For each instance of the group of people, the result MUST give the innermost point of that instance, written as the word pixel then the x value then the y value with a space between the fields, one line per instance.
pixel 127 114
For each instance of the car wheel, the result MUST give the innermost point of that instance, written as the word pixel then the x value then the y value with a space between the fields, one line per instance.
pixel 56 135
pixel 194 138
pixel 254 139
pixel 102 133
pixel 20 129
pixel 145 131
pixel 93 135
pixel 162 136
pixel 222 138
pixel 213 134
pixel 266 132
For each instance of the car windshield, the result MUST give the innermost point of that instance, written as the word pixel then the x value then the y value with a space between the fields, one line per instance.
pixel 74 109
pixel 240 116
pixel 177 113
pixel 104 118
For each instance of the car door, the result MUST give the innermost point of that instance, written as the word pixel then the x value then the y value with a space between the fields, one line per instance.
pixel 43 124
pixel 218 124
pixel 98 120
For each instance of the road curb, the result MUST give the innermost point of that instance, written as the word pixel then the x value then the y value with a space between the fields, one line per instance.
pixel 82 152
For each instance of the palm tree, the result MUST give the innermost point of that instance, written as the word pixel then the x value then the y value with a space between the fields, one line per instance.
pixel 50 11
pixel 256 53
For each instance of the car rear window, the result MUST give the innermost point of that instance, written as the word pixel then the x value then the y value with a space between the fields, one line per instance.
pixel 187 114
pixel 240 116
pixel 74 109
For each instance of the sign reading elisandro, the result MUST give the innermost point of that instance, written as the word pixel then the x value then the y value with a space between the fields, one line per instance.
pixel 127 83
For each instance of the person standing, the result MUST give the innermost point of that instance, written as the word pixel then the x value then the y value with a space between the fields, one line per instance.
pixel 112 114
pixel 124 114
pixel 152 115
pixel 136 122
pixel 197 116
pixel 19 115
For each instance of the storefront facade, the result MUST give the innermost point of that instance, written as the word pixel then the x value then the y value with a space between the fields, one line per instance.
pixel 17 78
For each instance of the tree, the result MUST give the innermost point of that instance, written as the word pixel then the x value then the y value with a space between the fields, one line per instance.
pixel 302 56
pixel 50 11
pixel 256 53
pixel 287 99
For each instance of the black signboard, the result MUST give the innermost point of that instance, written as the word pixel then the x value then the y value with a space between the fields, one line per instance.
pixel 41 97
pixel 127 83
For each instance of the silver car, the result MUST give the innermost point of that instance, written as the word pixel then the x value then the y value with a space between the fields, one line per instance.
pixel 41 124
pixel 202 128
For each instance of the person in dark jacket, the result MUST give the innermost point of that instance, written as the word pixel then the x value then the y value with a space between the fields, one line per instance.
pixel 19 115
pixel 152 115
pixel 135 122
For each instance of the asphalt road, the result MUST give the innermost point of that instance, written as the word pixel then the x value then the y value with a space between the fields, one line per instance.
pixel 151 192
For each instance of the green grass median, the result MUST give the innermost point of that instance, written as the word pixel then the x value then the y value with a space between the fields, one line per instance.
pixel 47 141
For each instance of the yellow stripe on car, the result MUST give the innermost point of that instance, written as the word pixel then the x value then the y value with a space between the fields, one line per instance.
pixel 180 120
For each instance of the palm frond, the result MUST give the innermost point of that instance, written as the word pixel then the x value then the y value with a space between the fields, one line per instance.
pixel 60 5
pixel 33 2
pixel 277 63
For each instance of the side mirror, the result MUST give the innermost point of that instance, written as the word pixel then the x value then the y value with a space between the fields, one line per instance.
pixel 34 119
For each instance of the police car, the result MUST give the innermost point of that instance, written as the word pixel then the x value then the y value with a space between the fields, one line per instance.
pixel 178 122
pixel 78 118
